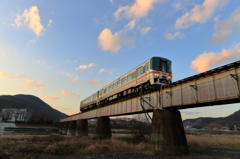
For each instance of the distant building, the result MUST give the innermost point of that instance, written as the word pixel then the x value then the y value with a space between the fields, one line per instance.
pixel 13 115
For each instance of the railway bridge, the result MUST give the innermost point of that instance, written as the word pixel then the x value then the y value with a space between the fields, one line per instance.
pixel 214 87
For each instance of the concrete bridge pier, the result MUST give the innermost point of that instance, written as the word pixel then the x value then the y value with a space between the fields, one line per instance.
pixel 65 128
pixel 103 129
pixel 82 127
pixel 168 135
pixel 72 128
pixel 60 128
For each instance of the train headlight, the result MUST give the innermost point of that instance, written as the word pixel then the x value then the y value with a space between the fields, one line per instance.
pixel 157 74
pixel 169 77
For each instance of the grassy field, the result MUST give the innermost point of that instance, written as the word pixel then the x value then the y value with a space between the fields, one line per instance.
pixel 28 147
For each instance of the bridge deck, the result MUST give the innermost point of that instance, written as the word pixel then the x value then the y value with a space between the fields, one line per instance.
pixel 213 87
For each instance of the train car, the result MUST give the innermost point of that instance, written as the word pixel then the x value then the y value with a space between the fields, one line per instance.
pixel 154 71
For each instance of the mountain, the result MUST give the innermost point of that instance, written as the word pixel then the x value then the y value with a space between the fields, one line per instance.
pixel 233 119
pixel 29 102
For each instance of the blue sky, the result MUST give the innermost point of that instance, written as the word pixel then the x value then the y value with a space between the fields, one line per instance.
pixel 63 51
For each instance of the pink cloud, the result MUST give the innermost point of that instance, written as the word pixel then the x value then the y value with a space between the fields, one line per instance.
pixel 52 98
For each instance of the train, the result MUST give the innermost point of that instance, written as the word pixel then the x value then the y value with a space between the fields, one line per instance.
pixel 154 71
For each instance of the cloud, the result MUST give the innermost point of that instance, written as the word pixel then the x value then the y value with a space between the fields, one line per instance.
pixel 94 82
pixel 42 62
pixel 138 10
pixel 199 14
pixel 31 19
pixel 50 23
pixel 29 82
pixel 75 79
pixel 113 42
pixel 131 24
pixel 83 67
pixel 74 95
pixel 3 55
pixel 145 30
pixel 5 76
pixel 174 36
pixel 101 70
pixel 65 93
pixel 207 60
pixel 111 1
pixel 178 6
pixel 52 98
pixel 223 29
pixel 189 113
pixel 33 41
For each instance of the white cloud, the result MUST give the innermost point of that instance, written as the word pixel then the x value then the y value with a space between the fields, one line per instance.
pixel 52 98
pixel 74 95
pixel 50 23
pixel 199 14
pixel 113 42
pixel 111 1
pixel 131 24
pixel 83 67
pixel 65 93
pixel 177 6
pixel 31 19
pixel 42 62
pixel 75 79
pixel 174 36
pixel 145 30
pixel 101 70
pixel 33 41
pixel 207 60
pixel 138 10
pixel 223 29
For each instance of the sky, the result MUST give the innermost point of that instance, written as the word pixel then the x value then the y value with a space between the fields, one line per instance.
pixel 63 51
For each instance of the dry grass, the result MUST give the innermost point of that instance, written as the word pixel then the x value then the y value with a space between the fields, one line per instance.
pixel 212 140
pixel 28 147
pixel 53 145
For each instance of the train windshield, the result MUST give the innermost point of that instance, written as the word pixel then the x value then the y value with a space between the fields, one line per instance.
pixel 160 64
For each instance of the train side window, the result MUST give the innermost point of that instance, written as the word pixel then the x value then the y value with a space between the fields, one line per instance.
pixel 119 83
pixel 94 96
pixel 110 88
pixel 129 77
pixel 138 72
pixel 115 85
pixel 147 67
pixel 107 89
pixel 143 69
pixel 133 75
pixel 123 80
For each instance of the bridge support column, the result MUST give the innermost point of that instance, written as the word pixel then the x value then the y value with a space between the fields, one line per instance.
pixel 60 128
pixel 82 127
pixel 103 128
pixel 72 128
pixel 168 135
pixel 65 128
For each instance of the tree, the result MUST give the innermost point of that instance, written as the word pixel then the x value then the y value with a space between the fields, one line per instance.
pixel 214 126
pixel 140 128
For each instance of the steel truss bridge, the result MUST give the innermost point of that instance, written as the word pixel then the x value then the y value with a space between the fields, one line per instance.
pixel 214 87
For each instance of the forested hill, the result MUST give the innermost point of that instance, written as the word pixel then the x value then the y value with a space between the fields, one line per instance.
pixel 233 119
pixel 29 102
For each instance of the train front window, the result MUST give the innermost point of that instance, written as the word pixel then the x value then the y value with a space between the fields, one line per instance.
pixel 159 64
pixel 169 67
pixel 155 64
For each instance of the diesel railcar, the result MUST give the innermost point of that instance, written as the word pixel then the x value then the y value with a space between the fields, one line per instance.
pixel 154 71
